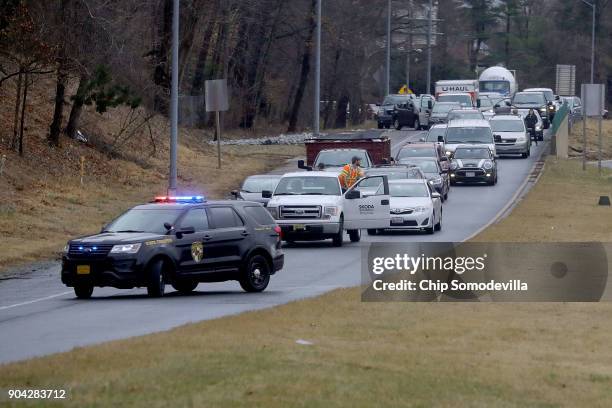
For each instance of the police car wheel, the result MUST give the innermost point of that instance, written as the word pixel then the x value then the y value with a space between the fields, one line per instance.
pixel 355 235
pixel 256 274
pixel 156 284
pixel 185 286
pixel 83 291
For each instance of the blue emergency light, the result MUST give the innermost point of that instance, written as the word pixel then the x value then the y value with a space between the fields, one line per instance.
pixel 180 199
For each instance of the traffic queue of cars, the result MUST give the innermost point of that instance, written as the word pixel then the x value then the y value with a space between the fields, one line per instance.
pixel 183 241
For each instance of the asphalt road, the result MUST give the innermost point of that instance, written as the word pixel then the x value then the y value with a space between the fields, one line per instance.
pixel 38 315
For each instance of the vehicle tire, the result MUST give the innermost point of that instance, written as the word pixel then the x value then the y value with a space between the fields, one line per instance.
pixel 156 285
pixel 396 124
pixel 417 124
pixel 524 155
pixel 452 183
pixel 380 125
pixel 355 235
pixel 339 237
pixel 446 196
pixel 430 230
pixel 255 274
pixel 83 290
pixel 387 126
pixel 372 232
pixel 185 286
pixel 438 226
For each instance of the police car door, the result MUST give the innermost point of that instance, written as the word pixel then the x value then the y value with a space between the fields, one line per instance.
pixel 371 211
pixel 194 253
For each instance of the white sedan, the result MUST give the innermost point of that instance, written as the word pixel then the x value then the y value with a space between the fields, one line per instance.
pixel 414 207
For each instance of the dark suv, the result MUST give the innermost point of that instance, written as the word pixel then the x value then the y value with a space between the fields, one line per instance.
pixel 537 101
pixel 398 111
pixel 177 240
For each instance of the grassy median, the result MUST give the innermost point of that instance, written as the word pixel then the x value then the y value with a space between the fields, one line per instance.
pixel 387 354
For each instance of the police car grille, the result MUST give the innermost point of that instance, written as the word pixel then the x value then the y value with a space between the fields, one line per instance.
pixel 300 212
pixel 88 250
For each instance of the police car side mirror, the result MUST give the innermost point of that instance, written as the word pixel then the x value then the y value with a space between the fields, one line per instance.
pixel 302 165
pixel 167 226
pixel 185 231
pixel 353 195
pixel 266 194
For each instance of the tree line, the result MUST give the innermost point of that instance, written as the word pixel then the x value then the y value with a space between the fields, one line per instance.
pixel 108 53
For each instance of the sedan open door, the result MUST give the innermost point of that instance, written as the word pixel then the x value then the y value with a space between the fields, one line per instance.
pixel 370 211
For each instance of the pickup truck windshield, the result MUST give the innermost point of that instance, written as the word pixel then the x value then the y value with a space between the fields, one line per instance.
pixel 469 135
pixel 477 153
pixel 308 186
pixel 339 158
pixel 507 126
pixel 462 99
pixel 259 184
pixel 529 98
pixel 144 221
pixel 408 190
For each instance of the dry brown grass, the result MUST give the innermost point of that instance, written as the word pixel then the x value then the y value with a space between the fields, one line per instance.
pixel 561 207
pixel 43 202
pixel 576 139
pixel 369 354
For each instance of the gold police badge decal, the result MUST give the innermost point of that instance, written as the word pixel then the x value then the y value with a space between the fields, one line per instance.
pixel 197 251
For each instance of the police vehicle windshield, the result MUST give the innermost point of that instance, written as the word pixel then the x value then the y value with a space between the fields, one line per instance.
pixel 144 220
pixel 408 190
pixel 308 186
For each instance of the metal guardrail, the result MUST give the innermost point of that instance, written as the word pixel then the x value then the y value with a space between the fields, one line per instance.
pixel 559 117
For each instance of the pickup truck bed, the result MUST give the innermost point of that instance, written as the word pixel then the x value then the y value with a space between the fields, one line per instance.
pixel 378 146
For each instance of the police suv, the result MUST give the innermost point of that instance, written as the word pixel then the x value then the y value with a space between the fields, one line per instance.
pixel 181 241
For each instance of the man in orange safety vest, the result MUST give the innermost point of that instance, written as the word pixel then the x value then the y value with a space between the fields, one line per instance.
pixel 351 173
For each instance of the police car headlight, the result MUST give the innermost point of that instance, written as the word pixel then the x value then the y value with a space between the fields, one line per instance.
pixel 273 212
pixel 420 209
pixel 488 165
pixel 125 249
pixel 330 211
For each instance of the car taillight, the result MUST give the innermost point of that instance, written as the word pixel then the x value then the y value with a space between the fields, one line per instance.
pixel 279 231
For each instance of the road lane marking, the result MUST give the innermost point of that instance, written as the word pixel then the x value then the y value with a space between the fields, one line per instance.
pixel 29 302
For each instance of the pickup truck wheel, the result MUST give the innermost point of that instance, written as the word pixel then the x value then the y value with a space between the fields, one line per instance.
pixel 438 226
pixel 396 124
pixel 156 285
pixel 83 290
pixel 255 274
pixel 185 286
pixel 355 235
pixel 339 237
pixel 380 125
pixel 372 232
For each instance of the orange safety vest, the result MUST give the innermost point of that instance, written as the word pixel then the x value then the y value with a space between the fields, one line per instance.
pixel 349 175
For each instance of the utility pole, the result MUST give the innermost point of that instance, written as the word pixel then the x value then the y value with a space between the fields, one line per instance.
pixel 429 34
pixel 593 6
pixel 174 100
pixel 317 96
pixel 388 75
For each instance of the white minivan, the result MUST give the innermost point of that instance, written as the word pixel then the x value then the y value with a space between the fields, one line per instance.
pixel 466 132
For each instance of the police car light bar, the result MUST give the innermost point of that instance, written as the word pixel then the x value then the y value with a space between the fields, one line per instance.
pixel 180 199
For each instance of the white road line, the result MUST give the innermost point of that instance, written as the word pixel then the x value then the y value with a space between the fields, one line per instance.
pixel 29 302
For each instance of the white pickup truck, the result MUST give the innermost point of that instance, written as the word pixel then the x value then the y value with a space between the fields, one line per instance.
pixel 312 206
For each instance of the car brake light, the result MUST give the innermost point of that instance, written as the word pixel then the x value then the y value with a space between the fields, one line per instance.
pixel 279 231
